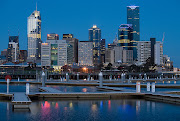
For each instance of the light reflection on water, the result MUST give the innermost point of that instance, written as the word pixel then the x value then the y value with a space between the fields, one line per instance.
pixel 81 110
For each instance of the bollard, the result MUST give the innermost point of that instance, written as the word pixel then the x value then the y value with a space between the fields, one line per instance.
pixel 148 86
pixel 51 79
pixel 77 76
pixel 88 77
pixel 27 88
pixel 145 76
pixel 8 86
pixel 153 87
pixel 122 77
pixel 138 87
pixel 43 79
pixel 100 79
pixel 140 77
pixel 67 77
pixel 18 79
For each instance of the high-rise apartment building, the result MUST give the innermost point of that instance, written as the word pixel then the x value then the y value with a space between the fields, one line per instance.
pixel 13 49
pixel 34 36
pixel 158 53
pixel 150 49
pixel 85 53
pixel 95 37
pixel 143 51
pixel 133 18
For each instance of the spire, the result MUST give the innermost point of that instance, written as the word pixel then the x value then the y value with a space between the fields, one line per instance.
pixel 36 6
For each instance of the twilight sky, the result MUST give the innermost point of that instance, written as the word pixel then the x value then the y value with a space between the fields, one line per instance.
pixel 77 16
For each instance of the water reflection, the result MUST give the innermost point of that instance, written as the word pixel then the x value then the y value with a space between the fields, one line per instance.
pixel 92 110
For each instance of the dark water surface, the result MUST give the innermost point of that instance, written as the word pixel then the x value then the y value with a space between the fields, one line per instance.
pixel 92 110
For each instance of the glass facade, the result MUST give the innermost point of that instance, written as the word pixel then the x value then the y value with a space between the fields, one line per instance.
pixel 54 54
pixel 95 37
pixel 34 36
pixel 133 18
pixel 125 36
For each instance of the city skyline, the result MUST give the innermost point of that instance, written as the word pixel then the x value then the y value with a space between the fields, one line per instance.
pixel 108 33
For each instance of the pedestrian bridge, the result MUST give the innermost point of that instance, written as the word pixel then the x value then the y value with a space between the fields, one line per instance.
pixel 20 100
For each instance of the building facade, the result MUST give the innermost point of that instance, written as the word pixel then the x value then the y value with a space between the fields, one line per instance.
pixel 34 36
pixel 95 37
pixel 13 49
pixel 85 53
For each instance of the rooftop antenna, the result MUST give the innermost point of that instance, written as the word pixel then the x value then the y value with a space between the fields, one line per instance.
pixel 163 37
pixel 36 6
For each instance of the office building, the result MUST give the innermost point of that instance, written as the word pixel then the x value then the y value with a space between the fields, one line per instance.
pixel 85 53
pixel 134 19
pixel 153 42
pixel 74 43
pixel 67 36
pixel 122 55
pixel 125 36
pixel 52 36
pixel 34 36
pixel 13 49
pixel 95 37
pixel 4 52
pixel 103 50
pixel 110 56
pixel 23 56
pixel 54 53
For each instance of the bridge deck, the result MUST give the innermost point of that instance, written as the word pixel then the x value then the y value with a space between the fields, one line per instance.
pixel 49 89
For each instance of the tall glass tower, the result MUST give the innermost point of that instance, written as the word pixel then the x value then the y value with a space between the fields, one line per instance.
pixel 125 36
pixel 34 36
pixel 95 37
pixel 133 18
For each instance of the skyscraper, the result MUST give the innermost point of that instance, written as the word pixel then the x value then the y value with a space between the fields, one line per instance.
pixel 85 53
pixel 34 36
pixel 95 37
pixel 103 50
pixel 74 45
pixel 13 49
pixel 133 18
pixel 125 36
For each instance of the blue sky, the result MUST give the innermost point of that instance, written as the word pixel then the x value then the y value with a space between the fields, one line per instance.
pixel 77 16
